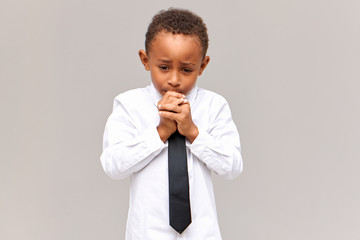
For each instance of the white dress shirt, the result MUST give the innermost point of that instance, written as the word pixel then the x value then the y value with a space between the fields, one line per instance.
pixel 132 147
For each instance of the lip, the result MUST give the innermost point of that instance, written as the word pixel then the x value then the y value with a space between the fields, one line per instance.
pixel 173 90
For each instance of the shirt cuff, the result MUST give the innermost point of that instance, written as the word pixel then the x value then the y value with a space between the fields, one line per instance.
pixel 153 139
pixel 200 143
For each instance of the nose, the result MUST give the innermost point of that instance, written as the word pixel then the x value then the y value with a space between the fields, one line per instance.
pixel 174 79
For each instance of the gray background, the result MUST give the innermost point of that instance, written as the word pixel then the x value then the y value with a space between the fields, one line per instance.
pixel 289 70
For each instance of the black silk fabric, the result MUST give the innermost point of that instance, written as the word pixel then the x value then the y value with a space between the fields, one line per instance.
pixel 179 199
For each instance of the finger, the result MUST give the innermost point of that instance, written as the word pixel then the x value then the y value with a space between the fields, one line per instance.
pixel 170 107
pixel 175 102
pixel 179 101
pixel 185 105
pixel 169 115
pixel 174 94
pixel 172 100
pixel 184 101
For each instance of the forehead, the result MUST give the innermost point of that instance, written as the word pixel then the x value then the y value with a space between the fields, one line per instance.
pixel 166 44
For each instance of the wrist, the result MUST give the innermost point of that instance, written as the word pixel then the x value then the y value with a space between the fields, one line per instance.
pixel 193 133
pixel 164 133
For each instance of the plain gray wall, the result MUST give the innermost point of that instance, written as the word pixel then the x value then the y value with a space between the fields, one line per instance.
pixel 289 70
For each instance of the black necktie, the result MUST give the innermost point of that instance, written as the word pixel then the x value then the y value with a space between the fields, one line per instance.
pixel 179 202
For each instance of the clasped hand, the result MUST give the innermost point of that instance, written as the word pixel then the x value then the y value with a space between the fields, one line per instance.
pixel 175 114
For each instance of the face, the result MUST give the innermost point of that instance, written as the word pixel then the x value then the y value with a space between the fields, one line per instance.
pixel 175 61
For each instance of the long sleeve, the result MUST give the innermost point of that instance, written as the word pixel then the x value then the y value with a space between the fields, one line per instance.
pixel 132 146
pixel 125 150
pixel 219 146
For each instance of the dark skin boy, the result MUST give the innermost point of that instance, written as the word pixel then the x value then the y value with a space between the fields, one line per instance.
pixel 175 61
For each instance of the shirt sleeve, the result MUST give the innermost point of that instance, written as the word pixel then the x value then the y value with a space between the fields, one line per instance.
pixel 219 147
pixel 125 151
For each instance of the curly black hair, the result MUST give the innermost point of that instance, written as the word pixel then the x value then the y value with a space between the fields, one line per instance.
pixel 178 21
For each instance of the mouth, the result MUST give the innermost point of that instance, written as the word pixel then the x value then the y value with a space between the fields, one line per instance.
pixel 172 90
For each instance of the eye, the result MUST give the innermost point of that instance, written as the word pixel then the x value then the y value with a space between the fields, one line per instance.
pixel 164 68
pixel 187 70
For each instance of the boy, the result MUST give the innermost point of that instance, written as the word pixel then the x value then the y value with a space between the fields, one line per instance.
pixel 138 133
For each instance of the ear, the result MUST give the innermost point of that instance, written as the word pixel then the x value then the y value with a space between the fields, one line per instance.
pixel 144 59
pixel 204 64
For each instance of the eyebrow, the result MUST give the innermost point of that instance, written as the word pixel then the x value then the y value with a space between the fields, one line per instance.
pixel 165 61
pixel 183 63
pixel 186 64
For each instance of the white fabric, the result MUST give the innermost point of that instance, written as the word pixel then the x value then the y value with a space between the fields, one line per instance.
pixel 132 147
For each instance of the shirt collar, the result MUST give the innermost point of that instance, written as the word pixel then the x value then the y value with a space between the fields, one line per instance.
pixel 156 96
